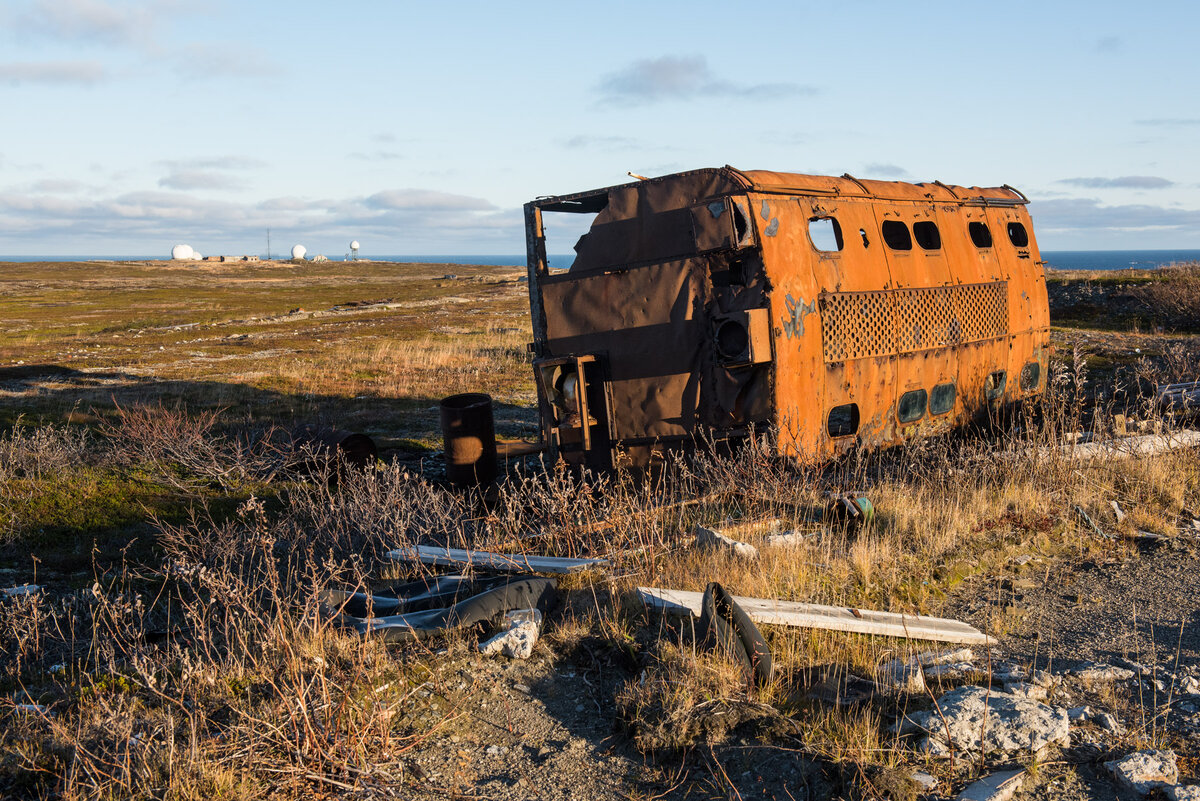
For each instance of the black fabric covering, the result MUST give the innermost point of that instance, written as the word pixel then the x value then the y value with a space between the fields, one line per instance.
pixel 726 627
pixel 438 605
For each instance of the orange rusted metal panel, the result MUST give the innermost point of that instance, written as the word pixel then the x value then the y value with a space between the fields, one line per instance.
pixel 832 312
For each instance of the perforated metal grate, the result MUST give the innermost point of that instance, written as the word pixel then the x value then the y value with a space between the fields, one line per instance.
pixel 857 325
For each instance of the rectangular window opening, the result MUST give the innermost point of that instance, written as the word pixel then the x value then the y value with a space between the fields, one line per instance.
pixel 981 235
pixel 912 406
pixel 1031 376
pixel 843 420
pixel 896 236
pixel 825 234
pixel 927 235
pixel 994 384
pixel 1018 235
pixel 941 400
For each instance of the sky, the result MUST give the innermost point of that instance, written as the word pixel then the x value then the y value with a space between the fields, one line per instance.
pixel 422 128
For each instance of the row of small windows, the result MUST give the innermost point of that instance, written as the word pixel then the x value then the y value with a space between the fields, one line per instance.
pixel 826 234
pixel 843 420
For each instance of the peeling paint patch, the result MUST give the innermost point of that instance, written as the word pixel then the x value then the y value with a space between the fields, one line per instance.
pixel 766 210
pixel 793 321
pixel 716 209
pixel 772 227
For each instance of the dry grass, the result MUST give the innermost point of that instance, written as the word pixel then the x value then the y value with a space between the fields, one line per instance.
pixel 195 663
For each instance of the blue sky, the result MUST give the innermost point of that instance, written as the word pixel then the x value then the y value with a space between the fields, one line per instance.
pixel 421 128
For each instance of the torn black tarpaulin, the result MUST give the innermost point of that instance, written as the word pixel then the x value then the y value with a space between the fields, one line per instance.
pixel 438 605
pixel 725 626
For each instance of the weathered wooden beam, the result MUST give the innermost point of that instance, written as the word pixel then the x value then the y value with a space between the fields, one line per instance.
pixel 835 618
pixel 506 562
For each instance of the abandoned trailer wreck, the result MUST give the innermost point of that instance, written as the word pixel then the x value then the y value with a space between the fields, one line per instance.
pixel 831 312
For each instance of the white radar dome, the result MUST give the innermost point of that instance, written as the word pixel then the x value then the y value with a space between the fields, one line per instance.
pixel 354 245
pixel 298 251
pixel 182 253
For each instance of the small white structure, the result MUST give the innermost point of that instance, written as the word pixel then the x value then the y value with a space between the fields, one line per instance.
pixel 298 251
pixel 183 253
pixel 354 250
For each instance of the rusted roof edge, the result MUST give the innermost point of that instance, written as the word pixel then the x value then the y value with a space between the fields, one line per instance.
pixel 846 185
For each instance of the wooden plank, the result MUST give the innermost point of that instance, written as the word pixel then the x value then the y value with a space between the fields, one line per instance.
pixel 506 562
pixel 834 618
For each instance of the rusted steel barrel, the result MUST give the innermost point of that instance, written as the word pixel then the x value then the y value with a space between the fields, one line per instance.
pixel 470 439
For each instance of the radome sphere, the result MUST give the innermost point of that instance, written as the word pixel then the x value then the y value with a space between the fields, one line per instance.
pixel 298 251
pixel 354 245
pixel 182 253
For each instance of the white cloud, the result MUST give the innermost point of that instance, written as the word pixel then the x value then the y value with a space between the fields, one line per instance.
pixel 60 73
pixel 200 179
pixel 413 218
pixel 653 80
pixel 1121 182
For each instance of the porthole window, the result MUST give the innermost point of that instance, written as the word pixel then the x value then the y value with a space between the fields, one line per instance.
pixel 1031 376
pixel 843 420
pixel 941 400
pixel 994 384
pixel 912 406
pixel 895 234
pixel 981 235
pixel 927 236
pixel 825 234
pixel 1017 235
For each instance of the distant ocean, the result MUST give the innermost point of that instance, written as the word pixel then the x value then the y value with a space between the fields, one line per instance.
pixel 1059 259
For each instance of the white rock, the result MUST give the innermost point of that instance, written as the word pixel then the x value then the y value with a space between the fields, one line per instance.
pixel 17 592
pixel 517 639
pixel 1108 721
pixel 997 787
pixel 790 539
pixel 1189 685
pixel 928 782
pixel 1007 723
pixel 707 538
pixel 1102 673
pixel 1029 691
pixel 1184 792
pixel 1079 714
pixel 1144 771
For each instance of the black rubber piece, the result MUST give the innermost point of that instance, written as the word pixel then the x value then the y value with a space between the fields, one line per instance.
pixel 726 627
pixel 500 594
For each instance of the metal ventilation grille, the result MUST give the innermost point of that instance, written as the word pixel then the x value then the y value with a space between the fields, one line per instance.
pixel 859 325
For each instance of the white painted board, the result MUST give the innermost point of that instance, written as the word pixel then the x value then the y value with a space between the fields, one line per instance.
pixel 836 618
pixel 507 562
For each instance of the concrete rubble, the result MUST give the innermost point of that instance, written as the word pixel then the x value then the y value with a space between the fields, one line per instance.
pixel 1184 792
pixel 516 641
pixel 1098 673
pixel 1007 723
pixel 997 787
pixel 909 675
pixel 710 539
pixel 1142 772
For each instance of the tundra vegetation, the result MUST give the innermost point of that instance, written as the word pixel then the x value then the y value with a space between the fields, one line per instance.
pixel 151 485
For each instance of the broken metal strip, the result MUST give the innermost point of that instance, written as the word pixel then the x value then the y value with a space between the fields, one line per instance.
pixel 505 562
pixel 833 618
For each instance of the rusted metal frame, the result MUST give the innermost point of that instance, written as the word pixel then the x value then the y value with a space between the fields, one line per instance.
pixel 549 417
pixel 581 403
pixel 536 268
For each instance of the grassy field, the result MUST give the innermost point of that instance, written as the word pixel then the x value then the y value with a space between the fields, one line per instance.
pixel 180 651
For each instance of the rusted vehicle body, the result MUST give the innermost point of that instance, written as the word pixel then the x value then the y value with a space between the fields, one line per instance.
pixel 829 313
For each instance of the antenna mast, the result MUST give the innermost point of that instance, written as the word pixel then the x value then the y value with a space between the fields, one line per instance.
pixel 268 244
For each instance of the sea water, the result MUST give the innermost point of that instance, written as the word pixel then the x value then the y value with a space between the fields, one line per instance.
pixel 1058 259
